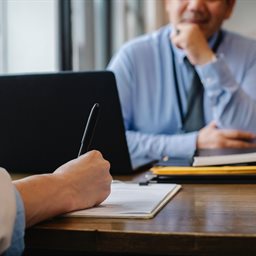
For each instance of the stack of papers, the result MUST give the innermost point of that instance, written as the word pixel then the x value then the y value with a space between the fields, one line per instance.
pixel 210 162
pixel 243 158
pixel 130 200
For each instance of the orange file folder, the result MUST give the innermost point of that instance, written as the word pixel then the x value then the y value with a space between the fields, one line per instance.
pixel 209 170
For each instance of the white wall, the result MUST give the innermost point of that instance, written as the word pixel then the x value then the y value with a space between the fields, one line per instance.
pixel 243 18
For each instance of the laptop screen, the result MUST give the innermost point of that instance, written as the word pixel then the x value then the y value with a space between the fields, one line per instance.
pixel 43 117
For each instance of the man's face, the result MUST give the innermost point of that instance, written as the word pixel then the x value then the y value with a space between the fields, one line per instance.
pixel 207 14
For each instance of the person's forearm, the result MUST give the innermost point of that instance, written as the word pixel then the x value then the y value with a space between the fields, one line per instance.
pixel 156 146
pixel 233 108
pixel 44 197
pixel 239 113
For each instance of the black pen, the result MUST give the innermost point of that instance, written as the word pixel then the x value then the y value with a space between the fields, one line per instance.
pixel 89 129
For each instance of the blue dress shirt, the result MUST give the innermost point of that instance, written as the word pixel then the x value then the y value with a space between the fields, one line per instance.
pixel 144 73
pixel 17 243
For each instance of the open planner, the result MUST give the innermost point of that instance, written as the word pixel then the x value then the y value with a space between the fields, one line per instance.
pixel 131 200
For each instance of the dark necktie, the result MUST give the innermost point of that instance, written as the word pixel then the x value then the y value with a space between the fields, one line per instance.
pixel 194 116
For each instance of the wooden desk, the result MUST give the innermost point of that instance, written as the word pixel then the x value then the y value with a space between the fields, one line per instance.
pixel 201 219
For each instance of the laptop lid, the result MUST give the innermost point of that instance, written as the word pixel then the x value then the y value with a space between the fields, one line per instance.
pixel 43 117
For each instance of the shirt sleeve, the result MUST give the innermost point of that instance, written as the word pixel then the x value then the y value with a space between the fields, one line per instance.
pixel 7 210
pixel 141 144
pixel 233 104
pixel 17 242
pixel 157 146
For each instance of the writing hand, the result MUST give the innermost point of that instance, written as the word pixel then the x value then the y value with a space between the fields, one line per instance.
pixel 87 179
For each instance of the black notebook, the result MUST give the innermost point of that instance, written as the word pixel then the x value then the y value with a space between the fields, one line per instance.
pixel 213 157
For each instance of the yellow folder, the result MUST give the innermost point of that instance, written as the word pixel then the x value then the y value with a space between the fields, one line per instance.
pixel 212 170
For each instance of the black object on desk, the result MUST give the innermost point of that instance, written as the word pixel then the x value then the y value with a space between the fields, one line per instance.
pixel 175 161
pixel 43 117
pixel 181 175
pixel 203 179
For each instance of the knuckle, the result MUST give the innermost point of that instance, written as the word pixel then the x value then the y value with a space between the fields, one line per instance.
pixel 236 134
pixel 105 167
pixel 106 164
pixel 96 153
pixel 220 143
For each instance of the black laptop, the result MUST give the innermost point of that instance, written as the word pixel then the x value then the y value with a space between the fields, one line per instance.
pixel 43 116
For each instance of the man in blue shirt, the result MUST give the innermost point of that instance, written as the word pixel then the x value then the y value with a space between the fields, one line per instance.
pixel 81 183
pixel 154 82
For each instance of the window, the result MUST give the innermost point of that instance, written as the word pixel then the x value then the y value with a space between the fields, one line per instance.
pixel 52 35
pixel 28 36
pixel 100 27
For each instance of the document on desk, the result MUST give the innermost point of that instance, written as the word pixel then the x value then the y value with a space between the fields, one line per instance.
pixel 130 200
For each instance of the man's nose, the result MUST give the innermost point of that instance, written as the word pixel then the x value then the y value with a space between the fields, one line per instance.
pixel 195 5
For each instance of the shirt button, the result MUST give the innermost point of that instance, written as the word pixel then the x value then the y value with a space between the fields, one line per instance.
pixel 208 80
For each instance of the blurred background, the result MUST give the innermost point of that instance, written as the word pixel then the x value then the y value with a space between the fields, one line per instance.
pixel 54 35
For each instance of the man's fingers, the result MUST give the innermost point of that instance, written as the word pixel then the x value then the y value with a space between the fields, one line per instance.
pixel 238 135
pixel 212 124
pixel 238 144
